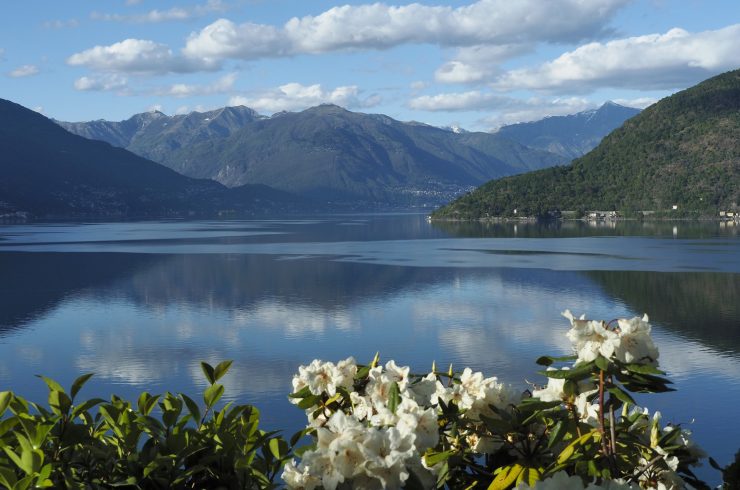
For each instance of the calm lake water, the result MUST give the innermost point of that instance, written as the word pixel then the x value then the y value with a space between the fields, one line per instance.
pixel 141 303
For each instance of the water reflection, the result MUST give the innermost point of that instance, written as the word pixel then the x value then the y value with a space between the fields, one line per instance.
pixel 273 295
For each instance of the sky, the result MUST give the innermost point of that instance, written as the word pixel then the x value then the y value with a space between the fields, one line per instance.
pixel 473 64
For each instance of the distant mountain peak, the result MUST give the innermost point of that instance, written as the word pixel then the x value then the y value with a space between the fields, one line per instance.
pixel 573 135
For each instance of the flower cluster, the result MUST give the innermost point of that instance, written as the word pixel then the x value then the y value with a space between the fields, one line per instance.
pixel 629 342
pixel 380 426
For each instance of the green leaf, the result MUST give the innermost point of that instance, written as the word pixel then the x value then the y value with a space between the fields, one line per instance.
pixel 394 397
pixel 279 448
pixel 506 477
pixel 79 383
pixel 213 394
pixel 5 398
pixel 208 371
pixel 7 424
pixel 602 363
pixel 192 407
pixel 302 393
pixel 544 360
pixel 432 458
pixel 59 402
pixel 621 395
pixel 7 477
pixel 53 385
pixel 557 433
pixel 308 402
pixel 644 369
pixel 221 369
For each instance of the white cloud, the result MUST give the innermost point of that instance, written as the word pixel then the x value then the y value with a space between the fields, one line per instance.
pixel 637 103
pixel 105 82
pixel 536 108
pixel 473 100
pixel 137 56
pixel 672 60
pixel 473 64
pixel 24 71
pixel 380 26
pixel 61 24
pixel 171 14
pixel 222 85
pixel 294 96
pixel 506 110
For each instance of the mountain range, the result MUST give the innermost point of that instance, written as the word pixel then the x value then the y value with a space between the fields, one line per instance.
pixel 681 155
pixel 49 172
pixel 324 152
pixel 570 136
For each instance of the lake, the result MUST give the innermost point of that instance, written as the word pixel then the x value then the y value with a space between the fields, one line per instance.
pixel 141 303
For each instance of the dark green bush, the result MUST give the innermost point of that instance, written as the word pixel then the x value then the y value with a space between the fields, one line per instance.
pixel 162 441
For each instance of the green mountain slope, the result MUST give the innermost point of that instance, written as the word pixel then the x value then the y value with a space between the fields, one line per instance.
pixel 327 152
pixel 47 171
pixel 683 151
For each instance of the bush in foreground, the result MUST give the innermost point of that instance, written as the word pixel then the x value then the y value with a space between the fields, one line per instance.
pixel 375 426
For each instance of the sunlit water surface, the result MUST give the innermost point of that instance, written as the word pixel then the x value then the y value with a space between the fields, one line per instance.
pixel 141 303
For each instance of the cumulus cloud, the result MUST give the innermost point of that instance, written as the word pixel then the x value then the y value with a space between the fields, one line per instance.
pixel 672 60
pixel 380 26
pixel 473 64
pixel 180 90
pixel 172 14
pixel 105 82
pixel 506 110
pixel 294 96
pixel 24 71
pixel 137 56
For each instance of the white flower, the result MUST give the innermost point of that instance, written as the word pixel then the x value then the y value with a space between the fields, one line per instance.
pixel 299 478
pixel 424 390
pixel 588 412
pixel 492 393
pixel 345 373
pixel 558 481
pixel 318 376
pixel 554 391
pixel 397 374
pixel 590 338
pixel 361 406
pixel 635 343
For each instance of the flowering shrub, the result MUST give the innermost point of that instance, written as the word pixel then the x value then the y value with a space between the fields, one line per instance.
pixel 379 426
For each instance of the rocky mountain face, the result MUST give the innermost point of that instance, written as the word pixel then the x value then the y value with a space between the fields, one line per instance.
pixel 570 136
pixel 323 152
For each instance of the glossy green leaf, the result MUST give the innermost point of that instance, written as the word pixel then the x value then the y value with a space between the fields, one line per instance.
pixel 212 394
pixel 78 384
pixel 221 369
pixel 208 371
pixel 5 398
pixel 53 385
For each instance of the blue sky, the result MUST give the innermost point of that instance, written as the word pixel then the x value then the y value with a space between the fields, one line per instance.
pixel 476 64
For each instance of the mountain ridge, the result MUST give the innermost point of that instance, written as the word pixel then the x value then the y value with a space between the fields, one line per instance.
pixel 331 153
pixel 570 136
pixel 48 171
pixel 680 155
